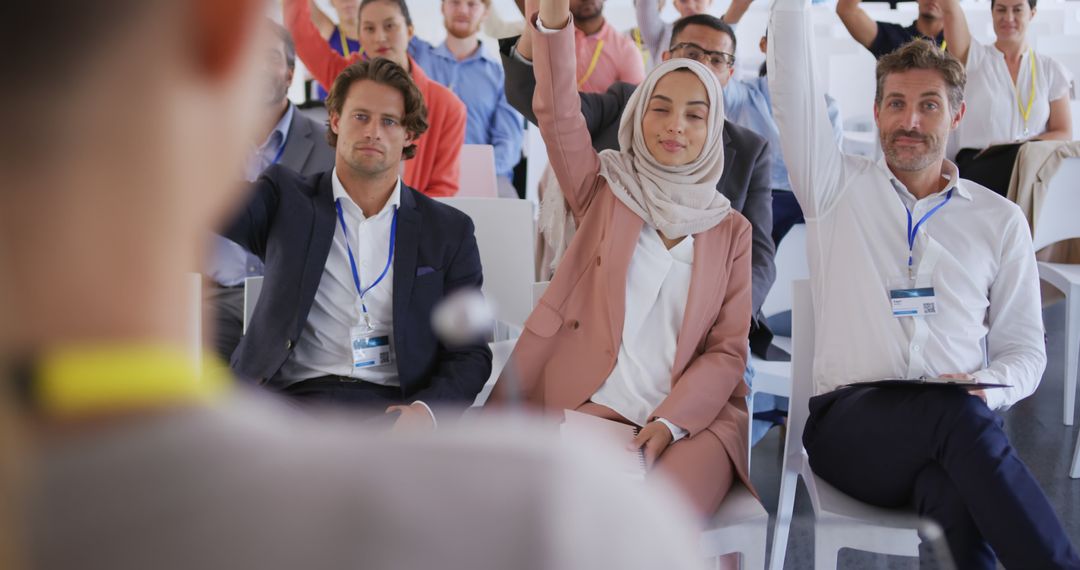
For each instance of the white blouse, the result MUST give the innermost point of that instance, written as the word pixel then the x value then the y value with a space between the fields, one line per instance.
pixel 993 111
pixel 657 285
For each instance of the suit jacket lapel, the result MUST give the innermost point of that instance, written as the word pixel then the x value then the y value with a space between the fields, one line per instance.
pixel 406 247
pixel 624 231
pixel 298 143
pixel 729 159
pixel 704 278
pixel 324 223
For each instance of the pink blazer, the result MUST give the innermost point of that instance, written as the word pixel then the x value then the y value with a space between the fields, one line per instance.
pixel 572 337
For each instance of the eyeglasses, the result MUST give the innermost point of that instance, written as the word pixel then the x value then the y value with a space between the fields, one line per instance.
pixel 715 59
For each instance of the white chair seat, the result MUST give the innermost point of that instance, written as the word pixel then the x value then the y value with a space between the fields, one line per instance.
pixel 500 354
pixel 1060 275
pixel 740 525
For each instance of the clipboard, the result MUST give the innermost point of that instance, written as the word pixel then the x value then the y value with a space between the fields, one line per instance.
pixel 929 382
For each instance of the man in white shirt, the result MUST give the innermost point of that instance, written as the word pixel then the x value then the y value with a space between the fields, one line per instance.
pixel 356 262
pixel 907 227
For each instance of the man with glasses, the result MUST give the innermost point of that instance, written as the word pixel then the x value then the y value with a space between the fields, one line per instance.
pixel 746 154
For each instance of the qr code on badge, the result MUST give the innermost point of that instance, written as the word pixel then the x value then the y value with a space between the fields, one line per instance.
pixel 929 308
pixel 384 358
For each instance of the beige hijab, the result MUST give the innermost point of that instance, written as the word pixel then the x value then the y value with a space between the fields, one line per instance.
pixel 677 200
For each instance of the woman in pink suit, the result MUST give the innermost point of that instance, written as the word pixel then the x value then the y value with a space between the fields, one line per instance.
pixel 645 320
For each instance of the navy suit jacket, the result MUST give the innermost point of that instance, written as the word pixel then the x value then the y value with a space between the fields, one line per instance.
pixel 289 223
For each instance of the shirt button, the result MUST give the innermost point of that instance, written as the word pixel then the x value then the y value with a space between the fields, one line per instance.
pixel 915 348
pixel 574 325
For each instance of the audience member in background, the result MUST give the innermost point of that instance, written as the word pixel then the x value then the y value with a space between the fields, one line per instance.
pixel 745 181
pixel 356 262
pixel 654 34
pixel 645 321
pixel 292 140
pixel 343 35
pixel 882 38
pixel 1014 94
pixel 747 103
pixel 603 54
pixel 907 228
pixel 129 458
pixel 385 29
pixel 461 64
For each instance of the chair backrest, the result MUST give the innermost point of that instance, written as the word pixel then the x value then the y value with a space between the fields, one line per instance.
pixel 852 83
pixel 802 363
pixel 538 291
pixel 477 178
pixel 1055 219
pixel 505 234
pixel 252 290
pixel 791 265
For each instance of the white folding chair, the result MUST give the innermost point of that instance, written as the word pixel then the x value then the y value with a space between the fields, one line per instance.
pixel 840 521
pixel 252 290
pixel 500 355
pixel 740 525
pixel 773 376
pixel 505 234
pixel 1055 221
pixel 477 174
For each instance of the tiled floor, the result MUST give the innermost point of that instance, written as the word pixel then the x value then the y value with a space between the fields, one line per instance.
pixel 1034 426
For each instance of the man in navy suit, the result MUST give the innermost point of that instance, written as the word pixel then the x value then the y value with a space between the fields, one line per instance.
pixel 356 261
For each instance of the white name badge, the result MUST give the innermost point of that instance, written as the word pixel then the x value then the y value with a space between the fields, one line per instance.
pixel 913 302
pixel 371 347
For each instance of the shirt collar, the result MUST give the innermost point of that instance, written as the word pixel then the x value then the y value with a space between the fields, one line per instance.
pixel 602 33
pixel 347 202
pixel 480 53
pixel 281 129
pixel 950 171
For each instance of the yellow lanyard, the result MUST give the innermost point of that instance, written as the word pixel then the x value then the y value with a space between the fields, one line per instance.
pixel 944 44
pixel 1026 112
pixel 344 42
pixel 592 64
pixel 92 380
pixel 636 33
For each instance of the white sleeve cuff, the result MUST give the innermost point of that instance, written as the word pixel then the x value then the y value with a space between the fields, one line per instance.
pixel 677 432
pixel 434 422
pixel 546 30
pixel 518 57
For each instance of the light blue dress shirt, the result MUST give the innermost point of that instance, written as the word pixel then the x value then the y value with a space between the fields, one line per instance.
pixel 478 81
pixel 232 263
pixel 747 103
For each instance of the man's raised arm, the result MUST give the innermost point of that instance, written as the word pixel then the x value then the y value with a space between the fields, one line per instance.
pixel 813 159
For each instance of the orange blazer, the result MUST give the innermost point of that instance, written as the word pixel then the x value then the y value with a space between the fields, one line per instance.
pixel 435 168
pixel 572 338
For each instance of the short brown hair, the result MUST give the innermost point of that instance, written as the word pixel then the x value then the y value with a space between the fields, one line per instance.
pixel 385 72
pixel 924 54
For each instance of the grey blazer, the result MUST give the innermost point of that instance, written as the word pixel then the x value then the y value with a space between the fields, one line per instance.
pixel 306 149
pixel 745 180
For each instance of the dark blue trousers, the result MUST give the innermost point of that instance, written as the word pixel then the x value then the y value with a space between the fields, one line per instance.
pixel 785 214
pixel 943 452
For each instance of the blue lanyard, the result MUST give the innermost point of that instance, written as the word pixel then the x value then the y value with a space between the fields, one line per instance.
pixel 352 260
pixel 280 152
pixel 912 231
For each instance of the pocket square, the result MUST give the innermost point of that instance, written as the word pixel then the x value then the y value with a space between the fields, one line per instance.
pixel 424 270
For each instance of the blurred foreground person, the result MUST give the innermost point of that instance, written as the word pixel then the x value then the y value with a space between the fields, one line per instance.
pixel 139 460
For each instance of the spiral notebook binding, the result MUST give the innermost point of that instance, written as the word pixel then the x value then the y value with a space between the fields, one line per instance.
pixel 640 452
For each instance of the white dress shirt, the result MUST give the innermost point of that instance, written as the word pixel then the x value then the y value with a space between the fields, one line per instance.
pixel 324 347
pixel 657 285
pixel 976 252
pixel 993 111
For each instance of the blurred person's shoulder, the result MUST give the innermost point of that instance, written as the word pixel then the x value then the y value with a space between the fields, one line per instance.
pixel 253 483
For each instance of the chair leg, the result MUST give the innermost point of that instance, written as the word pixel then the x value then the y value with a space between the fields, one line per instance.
pixel 789 482
pixel 826 553
pixel 1074 472
pixel 753 558
pixel 1072 350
